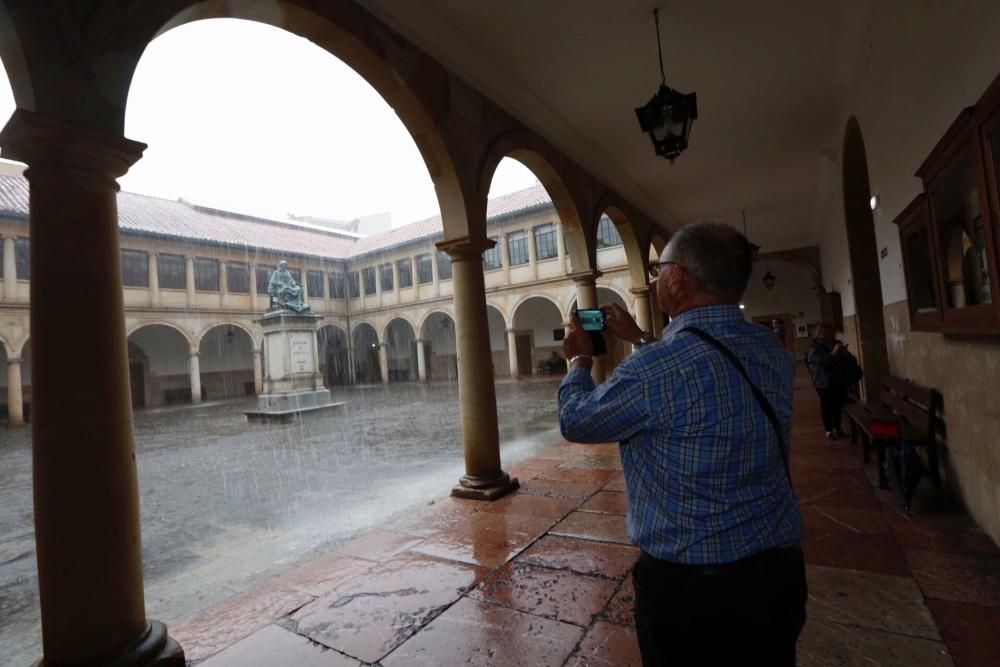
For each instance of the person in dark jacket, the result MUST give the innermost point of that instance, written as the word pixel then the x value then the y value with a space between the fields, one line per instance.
pixel 833 370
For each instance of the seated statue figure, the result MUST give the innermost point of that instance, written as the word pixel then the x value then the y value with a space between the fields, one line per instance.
pixel 285 293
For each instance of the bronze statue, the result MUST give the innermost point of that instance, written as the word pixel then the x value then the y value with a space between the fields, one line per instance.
pixel 285 293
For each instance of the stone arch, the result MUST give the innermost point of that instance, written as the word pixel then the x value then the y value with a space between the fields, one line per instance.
pixel 612 205
pixel 498 324
pixel 333 355
pixel 8 349
pixel 410 82
pixel 497 307
pixel 12 57
pixel 163 368
pixel 226 362
pixel 862 249
pixel 437 330
pixel 229 323
pixel 400 339
pixel 422 324
pixel 22 346
pixel 535 321
pixel 367 365
pixel 547 165
pixel 534 295
pixel 188 336
pixel 657 241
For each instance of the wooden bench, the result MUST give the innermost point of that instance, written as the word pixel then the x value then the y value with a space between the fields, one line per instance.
pixel 904 413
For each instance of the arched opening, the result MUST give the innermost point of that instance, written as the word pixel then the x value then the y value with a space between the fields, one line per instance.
pixel 617 246
pixel 868 323
pixel 498 341
pixel 538 247
pixel 333 356
pixel 793 300
pixel 538 327
pixel 367 366
pixel 401 350
pixel 159 363
pixel 438 332
pixel 226 360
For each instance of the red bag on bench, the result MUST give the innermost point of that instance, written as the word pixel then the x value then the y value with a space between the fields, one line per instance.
pixel 884 429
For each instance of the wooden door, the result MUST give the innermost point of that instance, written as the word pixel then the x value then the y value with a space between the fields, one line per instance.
pixel 137 381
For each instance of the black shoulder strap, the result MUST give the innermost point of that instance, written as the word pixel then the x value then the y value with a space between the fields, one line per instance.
pixel 758 394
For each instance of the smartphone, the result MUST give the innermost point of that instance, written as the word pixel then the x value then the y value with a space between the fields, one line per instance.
pixel 591 319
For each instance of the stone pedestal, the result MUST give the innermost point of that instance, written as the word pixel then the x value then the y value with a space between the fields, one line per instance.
pixel 293 385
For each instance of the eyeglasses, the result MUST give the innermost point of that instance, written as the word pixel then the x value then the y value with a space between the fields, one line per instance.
pixel 654 267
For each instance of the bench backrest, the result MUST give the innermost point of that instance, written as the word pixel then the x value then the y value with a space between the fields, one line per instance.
pixel 921 406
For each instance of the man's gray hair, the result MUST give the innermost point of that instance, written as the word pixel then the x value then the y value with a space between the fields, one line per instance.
pixel 717 257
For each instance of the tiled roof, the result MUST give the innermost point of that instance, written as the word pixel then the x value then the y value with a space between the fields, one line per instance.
pixel 173 219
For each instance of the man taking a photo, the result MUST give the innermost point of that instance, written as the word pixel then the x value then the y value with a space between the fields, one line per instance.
pixel 703 420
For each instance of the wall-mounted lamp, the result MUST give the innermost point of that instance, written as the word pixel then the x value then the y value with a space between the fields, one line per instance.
pixel 667 117
pixel 873 202
pixel 230 336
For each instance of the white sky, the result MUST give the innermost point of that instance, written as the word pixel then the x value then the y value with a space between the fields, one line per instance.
pixel 244 116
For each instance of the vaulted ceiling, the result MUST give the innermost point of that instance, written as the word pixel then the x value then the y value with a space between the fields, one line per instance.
pixel 772 80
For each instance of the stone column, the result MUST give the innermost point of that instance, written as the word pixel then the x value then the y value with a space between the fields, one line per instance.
pixel 9 270
pixel 484 478
pixel 383 361
pixel 189 282
pixel 154 281
pixel 515 372
pixel 642 315
pixel 351 374
pixel 15 400
pixel 86 498
pixel 258 371
pixel 586 297
pixel 195 368
pixel 422 360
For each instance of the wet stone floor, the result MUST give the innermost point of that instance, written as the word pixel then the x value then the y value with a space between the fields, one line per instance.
pixel 226 505
pixel 541 577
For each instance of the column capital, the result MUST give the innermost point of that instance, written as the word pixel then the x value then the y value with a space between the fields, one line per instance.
pixel 194 354
pixel 639 291
pixel 13 360
pixel 587 277
pixel 510 331
pixel 465 247
pixel 45 142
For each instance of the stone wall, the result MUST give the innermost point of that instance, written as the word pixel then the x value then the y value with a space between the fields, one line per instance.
pixel 965 370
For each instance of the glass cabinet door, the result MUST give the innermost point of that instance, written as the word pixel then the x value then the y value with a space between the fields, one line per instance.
pixel 963 258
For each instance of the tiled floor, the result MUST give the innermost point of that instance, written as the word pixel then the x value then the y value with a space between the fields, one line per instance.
pixel 541 578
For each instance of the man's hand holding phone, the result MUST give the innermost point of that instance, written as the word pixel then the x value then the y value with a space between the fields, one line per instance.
pixel 578 347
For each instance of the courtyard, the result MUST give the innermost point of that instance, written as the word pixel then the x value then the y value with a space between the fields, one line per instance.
pixel 226 505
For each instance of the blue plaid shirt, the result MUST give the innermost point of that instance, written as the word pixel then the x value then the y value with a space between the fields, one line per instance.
pixel 706 483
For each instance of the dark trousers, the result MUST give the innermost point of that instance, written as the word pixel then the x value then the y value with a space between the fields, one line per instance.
pixel 745 613
pixel 831 403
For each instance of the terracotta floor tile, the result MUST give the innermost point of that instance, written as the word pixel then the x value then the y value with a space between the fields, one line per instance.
pixel 621 608
pixel 954 534
pixel 970 631
pixel 607 645
pixel 560 488
pixel 848 519
pixel 471 632
pixel 593 462
pixel 378 545
pixel 826 644
pixel 616 485
pixel 590 526
pixel 947 576
pixel 869 600
pixel 318 576
pixel 212 630
pixel 557 594
pixel 277 646
pixel 606 502
pixel 368 617
pixel 540 506
pixel 435 517
pixel 601 475
pixel 871 553
pixel 485 538
pixel 584 556
pixel 837 492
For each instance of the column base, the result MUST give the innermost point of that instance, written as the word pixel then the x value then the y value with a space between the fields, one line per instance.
pixel 155 648
pixel 474 487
